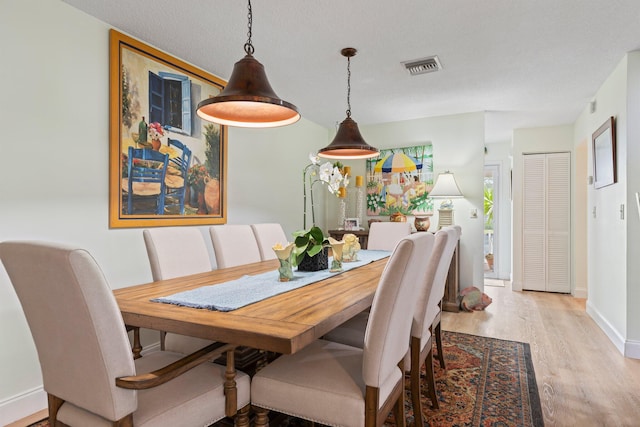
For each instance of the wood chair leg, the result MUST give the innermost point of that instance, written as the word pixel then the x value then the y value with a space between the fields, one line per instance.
pixel 415 380
pixel 126 421
pixel 54 403
pixel 431 382
pixel 262 417
pixel 438 334
pixel 398 411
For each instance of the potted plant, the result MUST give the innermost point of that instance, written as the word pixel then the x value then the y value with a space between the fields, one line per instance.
pixel 310 250
pixel 489 258
pixel 197 177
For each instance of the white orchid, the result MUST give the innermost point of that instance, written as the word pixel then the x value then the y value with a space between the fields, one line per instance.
pixel 326 173
pixel 314 158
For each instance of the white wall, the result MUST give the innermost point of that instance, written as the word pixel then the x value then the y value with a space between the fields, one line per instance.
pixel 499 153
pixel 613 246
pixel 607 278
pixel 632 345
pixel 537 140
pixel 54 115
pixel 458 142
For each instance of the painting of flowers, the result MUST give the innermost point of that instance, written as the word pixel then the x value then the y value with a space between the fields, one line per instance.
pixel 153 103
pixel 399 180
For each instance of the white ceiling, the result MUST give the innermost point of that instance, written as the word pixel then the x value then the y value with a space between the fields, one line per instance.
pixel 526 63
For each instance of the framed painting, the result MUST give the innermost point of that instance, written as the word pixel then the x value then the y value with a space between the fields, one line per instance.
pixel 604 154
pixel 399 180
pixel 166 165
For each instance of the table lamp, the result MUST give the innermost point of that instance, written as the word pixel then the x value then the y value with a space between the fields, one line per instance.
pixel 445 188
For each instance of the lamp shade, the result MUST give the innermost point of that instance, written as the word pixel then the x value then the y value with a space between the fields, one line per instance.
pixel 348 144
pixel 445 187
pixel 248 100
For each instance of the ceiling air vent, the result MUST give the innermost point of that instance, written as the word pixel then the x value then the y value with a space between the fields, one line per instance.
pixel 423 66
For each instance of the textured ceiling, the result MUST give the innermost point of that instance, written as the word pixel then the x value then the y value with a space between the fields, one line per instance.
pixel 526 63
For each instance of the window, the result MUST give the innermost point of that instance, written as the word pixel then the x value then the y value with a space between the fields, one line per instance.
pixel 170 101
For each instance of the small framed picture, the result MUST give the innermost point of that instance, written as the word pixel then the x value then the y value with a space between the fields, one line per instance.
pixel 352 224
pixel 604 154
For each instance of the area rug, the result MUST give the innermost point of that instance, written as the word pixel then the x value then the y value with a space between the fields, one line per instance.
pixel 488 382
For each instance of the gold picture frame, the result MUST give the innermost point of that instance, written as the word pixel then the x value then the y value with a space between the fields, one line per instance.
pixel 152 104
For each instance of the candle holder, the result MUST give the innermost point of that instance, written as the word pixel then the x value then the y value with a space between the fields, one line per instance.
pixel 360 199
pixel 342 206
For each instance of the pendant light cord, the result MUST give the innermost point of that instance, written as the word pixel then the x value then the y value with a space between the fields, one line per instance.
pixel 348 86
pixel 248 46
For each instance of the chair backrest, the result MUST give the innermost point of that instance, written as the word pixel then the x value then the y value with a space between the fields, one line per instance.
pixel 176 251
pixel 420 325
pixel 440 277
pixel 386 339
pixel 183 161
pixel 146 172
pixel 234 245
pixel 268 235
pixel 76 325
pixel 386 235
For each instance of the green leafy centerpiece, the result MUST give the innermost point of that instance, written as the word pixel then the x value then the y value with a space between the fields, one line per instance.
pixel 311 252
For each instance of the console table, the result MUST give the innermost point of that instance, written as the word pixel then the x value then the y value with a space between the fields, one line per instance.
pixel 363 235
pixel 450 302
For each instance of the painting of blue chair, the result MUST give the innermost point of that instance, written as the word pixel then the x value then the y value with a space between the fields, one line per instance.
pixel 146 172
pixel 176 176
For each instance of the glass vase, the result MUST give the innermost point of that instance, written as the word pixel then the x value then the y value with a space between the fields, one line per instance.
pixel 360 200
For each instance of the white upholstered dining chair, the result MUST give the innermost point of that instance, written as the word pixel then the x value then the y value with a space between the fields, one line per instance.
pixel 234 245
pixel 352 332
pixel 175 252
pixel 267 235
pixel 87 368
pixel 336 384
pixel 386 235
pixel 434 310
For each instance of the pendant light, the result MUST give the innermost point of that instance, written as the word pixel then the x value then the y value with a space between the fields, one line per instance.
pixel 348 143
pixel 248 99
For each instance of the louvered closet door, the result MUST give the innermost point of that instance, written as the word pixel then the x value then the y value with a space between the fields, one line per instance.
pixel 533 222
pixel 546 222
pixel 558 222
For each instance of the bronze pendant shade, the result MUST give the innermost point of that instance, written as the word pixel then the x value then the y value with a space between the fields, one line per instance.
pixel 348 142
pixel 248 99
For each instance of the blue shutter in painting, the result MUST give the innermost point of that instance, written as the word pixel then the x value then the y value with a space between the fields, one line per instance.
pixel 186 106
pixel 184 102
pixel 156 98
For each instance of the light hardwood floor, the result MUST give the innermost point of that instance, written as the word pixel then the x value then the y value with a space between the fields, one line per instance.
pixel 583 380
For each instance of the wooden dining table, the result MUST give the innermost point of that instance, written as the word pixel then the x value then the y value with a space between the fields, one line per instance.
pixel 284 323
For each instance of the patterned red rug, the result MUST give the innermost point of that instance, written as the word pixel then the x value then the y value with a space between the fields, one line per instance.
pixel 488 382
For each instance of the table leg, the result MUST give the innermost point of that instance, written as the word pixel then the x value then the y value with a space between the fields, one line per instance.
pixel 230 390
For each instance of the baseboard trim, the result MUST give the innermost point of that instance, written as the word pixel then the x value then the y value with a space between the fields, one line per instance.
pixel 611 332
pixel 22 405
pixel 632 349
